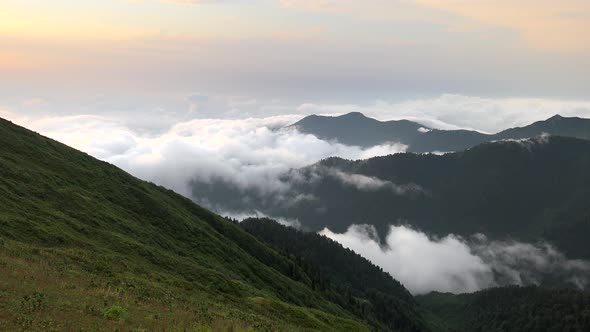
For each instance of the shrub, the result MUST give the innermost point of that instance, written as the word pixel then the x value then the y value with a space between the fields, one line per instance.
pixel 115 312
pixel 34 302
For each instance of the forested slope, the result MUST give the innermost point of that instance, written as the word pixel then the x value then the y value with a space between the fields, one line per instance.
pixel 84 244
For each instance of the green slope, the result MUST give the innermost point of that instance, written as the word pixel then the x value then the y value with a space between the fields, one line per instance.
pixel 84 244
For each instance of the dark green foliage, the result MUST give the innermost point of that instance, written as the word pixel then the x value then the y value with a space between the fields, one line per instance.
pixel 533 190
pixel 115 312
pixel 518 309
pixel 528 190
pixel 347 278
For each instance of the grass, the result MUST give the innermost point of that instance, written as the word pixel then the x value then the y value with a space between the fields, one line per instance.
pixel 86 246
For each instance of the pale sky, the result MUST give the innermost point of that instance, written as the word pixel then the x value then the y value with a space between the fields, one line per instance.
pixel 94 56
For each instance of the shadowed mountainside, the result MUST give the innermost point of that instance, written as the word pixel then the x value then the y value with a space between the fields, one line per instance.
pixel 536 189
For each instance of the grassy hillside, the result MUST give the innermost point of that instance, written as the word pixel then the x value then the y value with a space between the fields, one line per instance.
pixel 83 244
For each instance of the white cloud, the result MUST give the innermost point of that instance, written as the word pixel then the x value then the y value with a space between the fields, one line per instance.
pixel 246 147
pixel 370 183
pixel 453 264
pixel 447 111
pixel 528 143
pixel 290 222
pixel 421 264
pixel 525 263
pixel 248 153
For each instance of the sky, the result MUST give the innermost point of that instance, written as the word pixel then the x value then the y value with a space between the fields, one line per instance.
pixel 157 56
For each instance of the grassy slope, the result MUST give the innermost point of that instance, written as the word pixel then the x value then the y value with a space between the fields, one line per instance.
pixel 78 236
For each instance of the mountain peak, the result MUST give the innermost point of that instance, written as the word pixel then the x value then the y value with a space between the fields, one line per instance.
pixel 556 117
pixel 353 115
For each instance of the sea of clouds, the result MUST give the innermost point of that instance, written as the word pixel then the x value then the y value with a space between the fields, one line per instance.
pixel 248 144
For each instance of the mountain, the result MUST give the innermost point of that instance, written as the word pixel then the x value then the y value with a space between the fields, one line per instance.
pixel 496 309
pixel 85 245
pixel 531 190
pixel 509 309
pixel 354 278
pixel 357 129
pixel 556 125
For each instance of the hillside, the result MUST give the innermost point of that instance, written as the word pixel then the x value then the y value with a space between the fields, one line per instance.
pixel 354 279
pixel 528 190
pixel 85 244
pixel 510 309
pixel 504 309
pixel 357 129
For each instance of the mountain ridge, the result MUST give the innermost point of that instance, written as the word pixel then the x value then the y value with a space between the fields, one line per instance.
pixel 357 129
pixel 529 189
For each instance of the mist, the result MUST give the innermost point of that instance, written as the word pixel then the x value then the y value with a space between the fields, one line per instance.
pixel 246 153
pixel 423 263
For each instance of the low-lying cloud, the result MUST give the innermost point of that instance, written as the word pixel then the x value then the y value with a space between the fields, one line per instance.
pixel 249 154
pixel 371 183
pixel 454 264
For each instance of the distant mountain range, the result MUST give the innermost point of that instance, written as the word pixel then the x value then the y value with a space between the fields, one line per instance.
pixel 357 129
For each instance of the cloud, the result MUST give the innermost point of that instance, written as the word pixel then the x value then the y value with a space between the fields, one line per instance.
pixel 248 154
pixel 524 263
pixel 308 4
pixel 528 143
pixel 182 2
pixel 458 265
pixel 363 182
pixel 290 222
pixel 236 141
pixel 367 183
pixel 420 263
pixel 447 111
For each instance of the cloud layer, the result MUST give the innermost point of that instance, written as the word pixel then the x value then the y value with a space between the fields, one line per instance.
pixel 241 140
pixel 248 153
pixel 457 265
pixel 252 153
